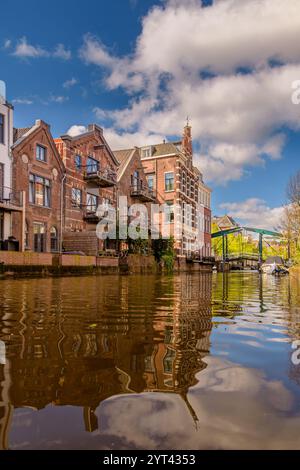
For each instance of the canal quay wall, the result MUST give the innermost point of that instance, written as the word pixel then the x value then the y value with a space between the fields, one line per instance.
pixel 30 264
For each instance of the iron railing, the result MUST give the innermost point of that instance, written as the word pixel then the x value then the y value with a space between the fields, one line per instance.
pixel 93 171
pixel 143 192
pixel 195 256
pixel 238 256
pixel 9 197
pixel 90 211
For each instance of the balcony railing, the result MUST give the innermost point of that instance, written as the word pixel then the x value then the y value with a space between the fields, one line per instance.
pixel 10 200
pixel 104 178
pixel 143 192
pixel 197 257
pixel 239 256
pixel 90 213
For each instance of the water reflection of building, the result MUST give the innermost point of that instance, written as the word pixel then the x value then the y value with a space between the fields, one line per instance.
pixel 130 336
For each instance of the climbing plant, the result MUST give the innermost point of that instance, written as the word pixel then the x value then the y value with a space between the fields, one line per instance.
pixel 164 252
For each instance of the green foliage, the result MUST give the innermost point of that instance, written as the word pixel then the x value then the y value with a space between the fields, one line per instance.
pixel 163 250
pixel 239 243
pixel 296 255
pixel 168 262
pixel 139 246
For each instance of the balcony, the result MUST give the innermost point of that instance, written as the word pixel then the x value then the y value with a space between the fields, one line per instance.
pixel 143 193
pixel 105 178
pixel 90 213
pixel 10 201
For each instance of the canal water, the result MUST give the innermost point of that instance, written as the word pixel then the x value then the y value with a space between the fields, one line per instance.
pixel 193 361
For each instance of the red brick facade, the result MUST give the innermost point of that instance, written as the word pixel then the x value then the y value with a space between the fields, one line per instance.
pixel 65 180
pixel 132 183
pixel 90 145
pixel 131 176
pixel 41 180
pixel 178 181
pixel 90 177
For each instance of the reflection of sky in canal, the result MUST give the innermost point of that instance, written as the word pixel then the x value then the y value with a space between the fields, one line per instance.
pixel 216 350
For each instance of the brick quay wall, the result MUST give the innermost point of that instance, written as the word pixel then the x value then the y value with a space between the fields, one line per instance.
pixel 27 264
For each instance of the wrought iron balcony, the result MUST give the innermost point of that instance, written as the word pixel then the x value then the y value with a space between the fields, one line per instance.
pixel 102 178
pixel 90 213
pixel 143 193
pixel 10 200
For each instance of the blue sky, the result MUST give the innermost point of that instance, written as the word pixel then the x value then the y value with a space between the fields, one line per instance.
pixel 138 67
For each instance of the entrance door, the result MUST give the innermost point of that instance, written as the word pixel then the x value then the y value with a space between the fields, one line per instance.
pixel 39 237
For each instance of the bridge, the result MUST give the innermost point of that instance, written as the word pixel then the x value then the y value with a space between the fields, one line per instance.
pixel 243 258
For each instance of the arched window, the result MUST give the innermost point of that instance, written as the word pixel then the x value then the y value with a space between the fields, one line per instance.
pixel 53 239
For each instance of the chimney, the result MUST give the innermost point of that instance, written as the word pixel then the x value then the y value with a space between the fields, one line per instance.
pixel 40 122
pixel 187 144
pixel 94 127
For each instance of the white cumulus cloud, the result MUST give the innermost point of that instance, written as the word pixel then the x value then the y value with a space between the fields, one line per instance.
pixel 254 212
pixel 76 130
pixel 62 53
pixel 25 101
pixel 120 140
pixel 229 67
pixel 7 44
pixel 58 99
pixel 26 50
pixel 70 83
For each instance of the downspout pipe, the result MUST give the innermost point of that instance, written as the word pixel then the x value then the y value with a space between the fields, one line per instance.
pixel 62 211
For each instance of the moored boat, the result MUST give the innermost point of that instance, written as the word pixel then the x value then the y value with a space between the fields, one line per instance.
pixel 274 265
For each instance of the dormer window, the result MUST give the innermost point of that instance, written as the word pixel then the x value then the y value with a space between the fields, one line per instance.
pixel 146 152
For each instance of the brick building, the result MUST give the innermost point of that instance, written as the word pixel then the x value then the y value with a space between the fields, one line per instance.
pixel 91 179
pixel 38 172
pixel 131 178
pixel 170 171
pixel 132 181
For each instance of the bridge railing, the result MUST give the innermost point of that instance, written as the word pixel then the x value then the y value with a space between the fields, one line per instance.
pixel 240 256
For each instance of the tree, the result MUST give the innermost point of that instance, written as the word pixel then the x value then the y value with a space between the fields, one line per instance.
pixel 290 227
pixel 293 189
pixel 290 223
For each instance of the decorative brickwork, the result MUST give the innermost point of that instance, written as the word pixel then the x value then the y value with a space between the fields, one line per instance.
pixel 91 170
pixel 41 180
pixel 85 242
pixel 176 180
